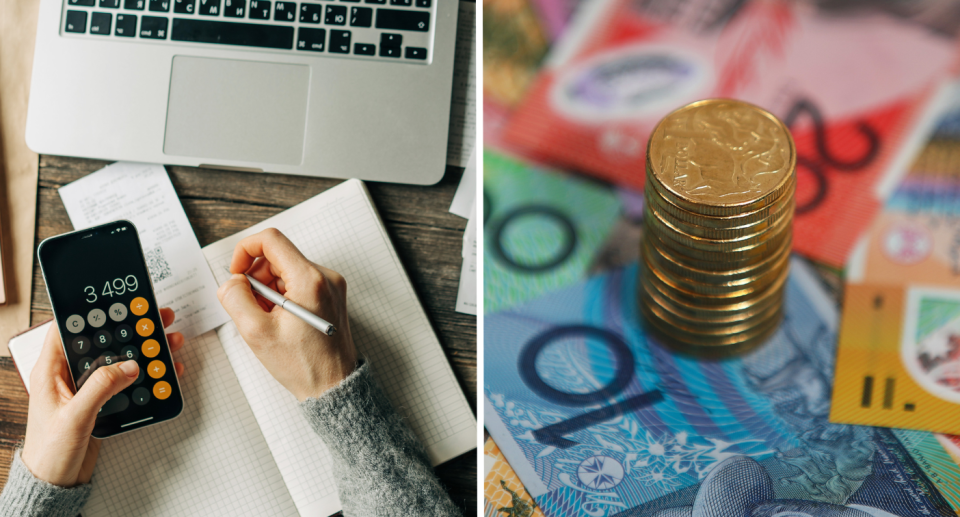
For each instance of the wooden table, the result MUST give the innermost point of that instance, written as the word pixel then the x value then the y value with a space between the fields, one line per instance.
pixel 221 203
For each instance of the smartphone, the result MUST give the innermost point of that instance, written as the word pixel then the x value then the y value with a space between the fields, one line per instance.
pixel 103 302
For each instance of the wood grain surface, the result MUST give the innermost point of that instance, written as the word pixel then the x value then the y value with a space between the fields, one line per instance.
pixel 220 203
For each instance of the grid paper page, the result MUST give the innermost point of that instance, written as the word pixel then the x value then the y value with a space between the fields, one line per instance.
pixel 211 460
pixel 341 230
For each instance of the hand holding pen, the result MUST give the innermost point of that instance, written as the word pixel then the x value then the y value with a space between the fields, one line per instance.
pixel 299 329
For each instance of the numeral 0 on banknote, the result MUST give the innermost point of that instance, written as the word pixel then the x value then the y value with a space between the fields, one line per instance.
pixel 623 357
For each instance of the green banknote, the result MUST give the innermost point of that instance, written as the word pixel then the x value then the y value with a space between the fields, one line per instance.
pixel 542 229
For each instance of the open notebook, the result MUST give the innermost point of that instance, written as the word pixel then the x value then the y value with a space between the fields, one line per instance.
pixel 241 446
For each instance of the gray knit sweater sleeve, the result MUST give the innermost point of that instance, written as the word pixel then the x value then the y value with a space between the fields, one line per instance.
pixel 381 466
pixel 27 496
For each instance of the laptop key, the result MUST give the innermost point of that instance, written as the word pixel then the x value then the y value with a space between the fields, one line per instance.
pixel 285 12
pixel 375 1
pixel 361 16
pixel 388 40
pixel 210 7
pixel 423 3
pixel 109 4
pixel 340 42
pixel 232 33
pixel 153 27
pixel 259 10
pixel 311 39
pixel 76 21
pixel 389 50
pixel 184 6
pixel 310 13
pixel 234 8
pixel 126 25
pixel 397 20
pixel 365 49
pixel 134 5
pixel 100 23
pixel 160 5
pixel 416 53
pixel 404 3
pixel 336 15
pixel 83 3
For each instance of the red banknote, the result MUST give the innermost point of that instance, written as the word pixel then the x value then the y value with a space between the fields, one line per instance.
pixel 859 92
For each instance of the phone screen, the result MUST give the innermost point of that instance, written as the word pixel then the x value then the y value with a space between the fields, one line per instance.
pixel 104 306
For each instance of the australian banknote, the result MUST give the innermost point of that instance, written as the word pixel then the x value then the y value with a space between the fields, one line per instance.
pixel 856 89
pixel 541 229
pixel 898 361
pixel 503 493
pixel 597 418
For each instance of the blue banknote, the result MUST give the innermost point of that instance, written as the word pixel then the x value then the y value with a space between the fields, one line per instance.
pixel 599 419
pixel 542 229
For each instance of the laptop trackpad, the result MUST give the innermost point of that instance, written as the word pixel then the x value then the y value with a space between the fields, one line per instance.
pixel 237 110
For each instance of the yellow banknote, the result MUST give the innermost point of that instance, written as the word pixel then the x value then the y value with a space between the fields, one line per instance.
pixel 898 358
pixel 503 493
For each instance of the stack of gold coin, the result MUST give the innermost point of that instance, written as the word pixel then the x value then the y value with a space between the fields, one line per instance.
pixel 719 209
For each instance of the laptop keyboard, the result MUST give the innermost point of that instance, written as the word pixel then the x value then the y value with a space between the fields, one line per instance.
pixel 384 30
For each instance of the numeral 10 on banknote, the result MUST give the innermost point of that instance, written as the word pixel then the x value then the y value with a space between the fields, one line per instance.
pixel 625 369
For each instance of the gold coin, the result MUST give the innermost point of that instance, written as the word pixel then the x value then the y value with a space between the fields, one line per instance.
pixel 706 317
pixel 676 336
pixel 740 299
pixel 667 250
pixel 756 282
pixel 651 196
pixel 713 329
pixel 733 245
pixel 727 278
pixel 652 295
pixel 702 346
pixel 721 157
pixel 691 226
pixel 728 259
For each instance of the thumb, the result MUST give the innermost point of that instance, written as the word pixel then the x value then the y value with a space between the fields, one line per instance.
pixel 237 299
pixel 103 384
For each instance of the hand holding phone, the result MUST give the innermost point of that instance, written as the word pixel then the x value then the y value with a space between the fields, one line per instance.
pixel 58 447
pixel 106 312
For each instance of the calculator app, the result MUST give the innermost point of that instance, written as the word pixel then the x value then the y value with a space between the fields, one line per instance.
pixel 104 304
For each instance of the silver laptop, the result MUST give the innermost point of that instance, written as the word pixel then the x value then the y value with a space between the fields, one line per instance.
pixel 335 88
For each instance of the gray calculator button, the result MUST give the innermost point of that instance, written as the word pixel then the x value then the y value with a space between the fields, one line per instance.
pixel 118 403
pixel 117 312
pixel 102 338
pixel 123 333
pixel 85 364
pixel 141 396
pixel 75 324
pixel 109 358
pixel 129 352
pixel 139 377
pixel 81 344
pixel 96 318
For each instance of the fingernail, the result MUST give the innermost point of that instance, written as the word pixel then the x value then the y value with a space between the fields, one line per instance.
pixel 130 368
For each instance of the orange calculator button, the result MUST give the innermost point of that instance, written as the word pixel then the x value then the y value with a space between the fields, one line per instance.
pixel 139 306
pixel 145 327
pixel 150 348
pixel 162 390
pixel 156 369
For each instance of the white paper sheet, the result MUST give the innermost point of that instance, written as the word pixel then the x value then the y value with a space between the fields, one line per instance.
pixel 142 193
pixel 463 109
pixel 341 229
pixel 466 195
pixel 467 292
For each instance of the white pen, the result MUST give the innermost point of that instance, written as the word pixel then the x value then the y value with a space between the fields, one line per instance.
pixel 285 303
